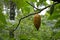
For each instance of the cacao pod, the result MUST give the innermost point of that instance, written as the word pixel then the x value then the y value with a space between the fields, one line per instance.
pixel 37 21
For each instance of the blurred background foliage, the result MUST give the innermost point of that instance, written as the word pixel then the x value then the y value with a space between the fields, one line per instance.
pixel 50 24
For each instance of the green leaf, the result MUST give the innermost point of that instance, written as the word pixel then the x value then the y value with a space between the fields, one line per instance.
pixel 51 9
pixel 2 20
pixel 20 3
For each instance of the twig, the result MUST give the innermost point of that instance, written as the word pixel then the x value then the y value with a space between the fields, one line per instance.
pixel 23 18
pixel 49 6
pixel 32 5
pixel 31 15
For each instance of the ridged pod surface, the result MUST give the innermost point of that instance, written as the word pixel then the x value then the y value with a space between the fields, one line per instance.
pixel 37 21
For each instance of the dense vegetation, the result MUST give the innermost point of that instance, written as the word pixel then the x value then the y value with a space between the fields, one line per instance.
pixel 22 27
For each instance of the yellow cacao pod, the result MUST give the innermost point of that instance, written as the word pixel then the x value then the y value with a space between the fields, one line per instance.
pixel 37 21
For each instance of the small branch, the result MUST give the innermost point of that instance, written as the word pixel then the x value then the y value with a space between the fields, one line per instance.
pixel 31 15
pixel 32 5
pixel 49 6
pixel 23 18
pixel 43 8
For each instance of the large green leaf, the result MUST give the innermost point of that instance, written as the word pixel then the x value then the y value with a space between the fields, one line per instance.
pixel 26 10
pixel 2 20
pixel 22 3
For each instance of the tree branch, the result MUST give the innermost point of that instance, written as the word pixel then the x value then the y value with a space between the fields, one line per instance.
pixel 32 5
pixel 32 14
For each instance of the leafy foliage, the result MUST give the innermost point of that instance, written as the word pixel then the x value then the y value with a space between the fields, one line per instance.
pixel 50 26
pixel 2 19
